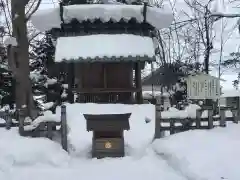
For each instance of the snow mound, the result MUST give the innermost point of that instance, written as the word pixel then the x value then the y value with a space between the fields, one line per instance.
pixel 80 139
pixel 188 112
pixel 48 116
pixel 21 151
pixel 206 154
pixel 2 121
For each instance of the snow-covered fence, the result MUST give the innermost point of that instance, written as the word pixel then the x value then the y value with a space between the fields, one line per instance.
pixel 179 121
pixel 6 120
pixel 49 125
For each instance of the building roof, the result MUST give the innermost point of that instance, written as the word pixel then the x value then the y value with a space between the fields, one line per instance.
pixel 47 19
pixel 164 75
pixel 203 75
pixel 119 47
pixel 107 122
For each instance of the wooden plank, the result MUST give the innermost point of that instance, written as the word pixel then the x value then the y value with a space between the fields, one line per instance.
pixel 198 118
pixel 104 77
pixel 172 126
pixel 210 119
pixel 50 130
pixel 100 150
pixel 158 129
pixel 8 121
pixel 107 122
pixel 70 78
pixel 108 90
pixel 222 118
pixel 235 116
pixel 20 113
pixel 138 83
pixel 64 128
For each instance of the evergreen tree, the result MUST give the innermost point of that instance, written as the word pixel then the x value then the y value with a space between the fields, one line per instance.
pixel 233 62
pixel 44 84
pixel 7 94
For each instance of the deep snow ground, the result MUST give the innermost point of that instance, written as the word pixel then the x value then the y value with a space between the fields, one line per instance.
pixel 193 155
pixel 206 154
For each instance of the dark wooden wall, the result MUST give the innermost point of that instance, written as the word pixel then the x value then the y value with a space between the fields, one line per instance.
pixel 104 75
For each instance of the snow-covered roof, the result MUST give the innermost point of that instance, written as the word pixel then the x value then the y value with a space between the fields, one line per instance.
pixel 231 93
pixel 47 19
pixel 203 75
pixel 104 47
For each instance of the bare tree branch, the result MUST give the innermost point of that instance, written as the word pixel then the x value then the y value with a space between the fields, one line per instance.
pixel 29 14
pixel 6 18
pixel 223 15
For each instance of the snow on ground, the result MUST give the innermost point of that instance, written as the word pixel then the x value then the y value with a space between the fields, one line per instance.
pixel 193 155
pixel 24 158
pixel 207 154
pixel 21 151
pixel 2 121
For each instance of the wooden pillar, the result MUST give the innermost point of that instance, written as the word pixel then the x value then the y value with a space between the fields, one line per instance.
pixel 104 76
pixel 159 133
pixel 70 77
pixel 64 140
pixel 138 83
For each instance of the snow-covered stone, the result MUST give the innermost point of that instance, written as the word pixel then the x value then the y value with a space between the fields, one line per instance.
pixel 121 45
pixel 47 19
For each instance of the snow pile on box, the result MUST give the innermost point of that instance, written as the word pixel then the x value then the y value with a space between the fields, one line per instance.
pixel 17 150
pixel 139 135
pixel 207 154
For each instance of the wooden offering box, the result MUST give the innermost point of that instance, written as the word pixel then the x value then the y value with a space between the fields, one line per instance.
pixel 108 139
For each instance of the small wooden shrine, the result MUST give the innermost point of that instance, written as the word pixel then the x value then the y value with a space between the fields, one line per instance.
pixel 108 140
pixel 102 49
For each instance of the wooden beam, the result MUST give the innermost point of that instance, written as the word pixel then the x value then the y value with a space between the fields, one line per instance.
pixel 108 90
pixel 104 76
pixel 71 78
pixel 138 83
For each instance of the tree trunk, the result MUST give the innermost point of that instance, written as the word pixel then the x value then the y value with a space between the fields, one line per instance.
pixel 208 41
pixel 20 64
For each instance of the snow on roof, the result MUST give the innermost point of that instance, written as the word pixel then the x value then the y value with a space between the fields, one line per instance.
pixel 101 46
pixel 230 93
pixel 47 19
pixel 203 75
